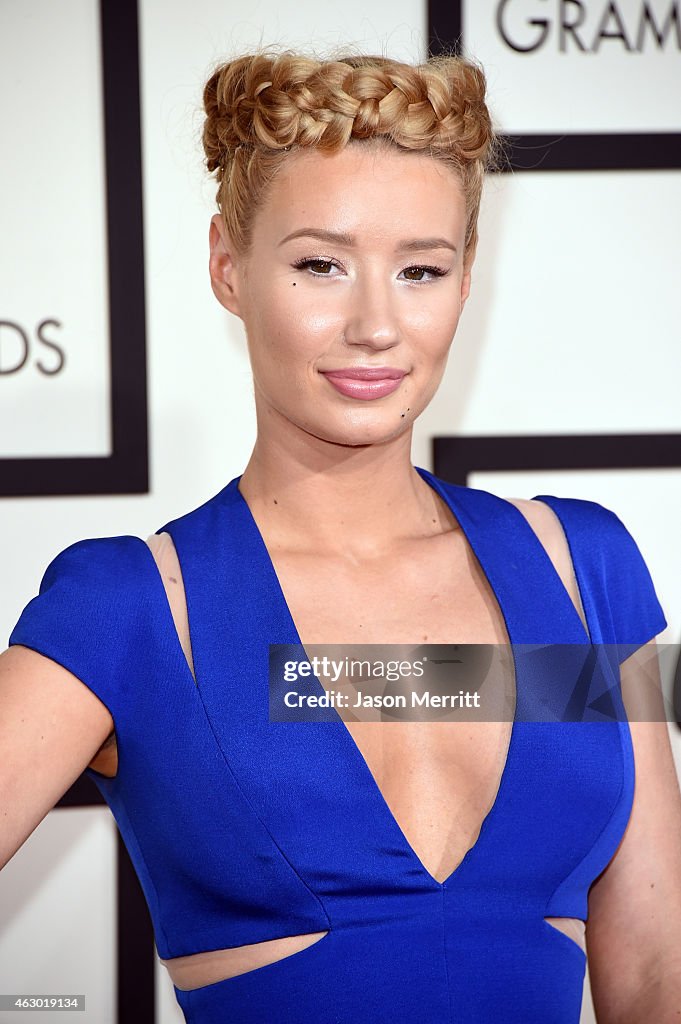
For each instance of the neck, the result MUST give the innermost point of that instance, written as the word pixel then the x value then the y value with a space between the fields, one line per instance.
pixel 351 500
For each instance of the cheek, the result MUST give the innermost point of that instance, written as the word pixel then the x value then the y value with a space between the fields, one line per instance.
pixel 293 315
pixel 435 341
pixel 315 317
pixel 281 354
pixel 436 317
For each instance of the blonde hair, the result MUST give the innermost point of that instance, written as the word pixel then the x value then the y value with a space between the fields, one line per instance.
pixel 262 106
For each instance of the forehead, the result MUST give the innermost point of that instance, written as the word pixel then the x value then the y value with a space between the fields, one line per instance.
pixel 366 189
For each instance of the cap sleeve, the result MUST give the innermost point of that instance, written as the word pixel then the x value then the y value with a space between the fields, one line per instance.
pixel 616 587
pixel 87 616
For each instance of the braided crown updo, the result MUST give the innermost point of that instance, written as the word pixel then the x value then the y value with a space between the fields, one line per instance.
pixel 261 106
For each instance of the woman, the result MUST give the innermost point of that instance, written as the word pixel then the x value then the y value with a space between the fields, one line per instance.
pixel 424 871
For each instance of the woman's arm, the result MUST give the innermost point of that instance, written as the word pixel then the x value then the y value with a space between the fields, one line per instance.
pixel 633 932
pixel 51 726
pixel 634 919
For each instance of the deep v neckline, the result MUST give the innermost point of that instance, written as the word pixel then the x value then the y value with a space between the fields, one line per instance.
pixel 469 525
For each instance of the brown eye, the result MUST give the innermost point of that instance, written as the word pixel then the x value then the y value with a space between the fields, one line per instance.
pixel 315 264
pixel 434 271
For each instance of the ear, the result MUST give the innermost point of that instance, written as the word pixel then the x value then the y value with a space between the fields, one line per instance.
pixel 465 287
pixel 467 268
pixel 223 274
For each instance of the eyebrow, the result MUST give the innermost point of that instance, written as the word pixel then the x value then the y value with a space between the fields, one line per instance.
pixel 340 238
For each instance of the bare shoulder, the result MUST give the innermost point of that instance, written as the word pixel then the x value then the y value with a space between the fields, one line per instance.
pixel 545 524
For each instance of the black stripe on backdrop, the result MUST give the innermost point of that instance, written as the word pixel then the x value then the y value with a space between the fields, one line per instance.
pixel 455 458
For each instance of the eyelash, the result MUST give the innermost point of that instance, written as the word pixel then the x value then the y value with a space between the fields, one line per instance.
pixel 302 264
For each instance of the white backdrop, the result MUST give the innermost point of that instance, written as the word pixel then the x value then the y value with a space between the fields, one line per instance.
pixel 570 328
pixel 53 223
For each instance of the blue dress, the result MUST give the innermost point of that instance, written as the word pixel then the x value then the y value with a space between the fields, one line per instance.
pixel 242 829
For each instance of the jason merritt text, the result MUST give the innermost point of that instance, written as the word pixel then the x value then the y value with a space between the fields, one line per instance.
pixel 426 699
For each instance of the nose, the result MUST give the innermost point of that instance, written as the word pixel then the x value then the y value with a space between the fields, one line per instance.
pixel 372 318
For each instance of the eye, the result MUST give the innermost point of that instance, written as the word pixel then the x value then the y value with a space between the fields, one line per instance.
pixel 315 262
pixel 435 271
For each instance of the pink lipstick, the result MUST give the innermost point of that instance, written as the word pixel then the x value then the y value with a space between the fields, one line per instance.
pixel 365 382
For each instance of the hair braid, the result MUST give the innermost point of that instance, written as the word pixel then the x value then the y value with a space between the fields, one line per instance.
pixel 261 104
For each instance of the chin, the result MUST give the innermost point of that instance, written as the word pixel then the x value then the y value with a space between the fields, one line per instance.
pixel 359 436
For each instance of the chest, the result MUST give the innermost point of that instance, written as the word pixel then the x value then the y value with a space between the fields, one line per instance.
pixel 438 778
pixel 434 591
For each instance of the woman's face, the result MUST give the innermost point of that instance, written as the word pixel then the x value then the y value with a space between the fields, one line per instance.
pixel 386 296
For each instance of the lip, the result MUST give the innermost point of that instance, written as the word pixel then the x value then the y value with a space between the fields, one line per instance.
pixel 365 383
pixel 367 373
